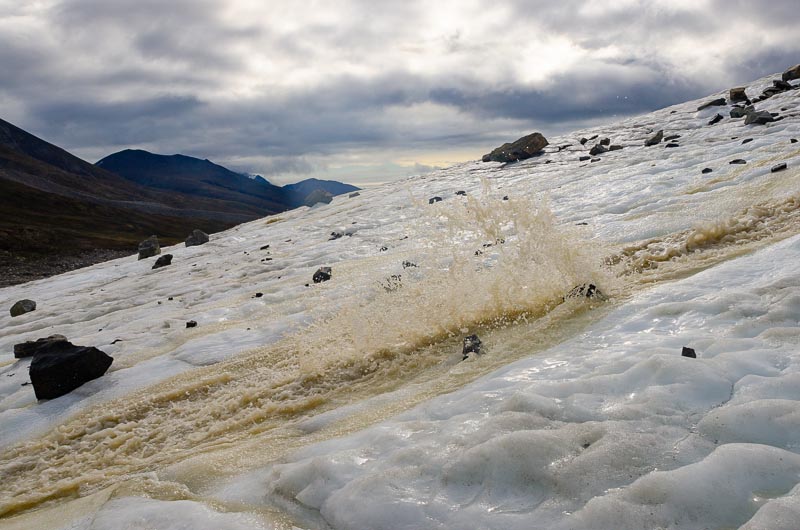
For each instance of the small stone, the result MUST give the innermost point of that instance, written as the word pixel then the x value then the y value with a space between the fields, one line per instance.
pixel 335 235
pixel 706 170
pixel 472 344
pixel 598 150
pixel 197 237
pixel 149 247
pixel 793 140
pixel 384 249
pixel 671 137
pixel 595 160
pixel 461 192
pixel 323 274
pixel 739 112
pixel 747 141
pixel 21 307
pixel 583 141
pixel 713 103
pixel 505 197
pixel 614 147
pixel 191 324
pixel 265 247
pixel 584 158
pixel 163 261
pixel 588 290
pixel 259 295
pixel 779 167
pixel 738 161
pixel 605 141
pixel 407 264
pixel 434 199
pixel 354 194
pixel 688 352
pixel 655 139
pixel 716 119
pixel 672 144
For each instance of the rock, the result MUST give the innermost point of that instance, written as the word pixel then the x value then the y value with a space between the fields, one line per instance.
pixel 791 73
pixel 739 112
pixel 605 141
pixel 769 92
pixel 688 352
pixel 758 118
pixel 671 137
pixel 706 170
pixel 258 295
pixel 738 94
pixel 522 149
pixel 598 149
pixel 779 167
pixel 713 103
pixel 149 247
pixel 738 161
pixel 782 85
pixel 354 194
pixel 32 347
pixel 584 158
pixel 21 307
pixel 793 140
pixel 472 344
pixel 191 324
pixel 323 274
pixel 197 237
pixel 318 196
pixel 461 192
pixel 434 200
pixel 716 119
pixel 588 290
pixel 264 247
pixel 655 139
pixel 614 147
pixel 407 264
pixel 63 367
pixel 595 160
pixel 335 235
pixel 672 144
pixel 583 141
pixel 163 261
pixel 594 137
pixel 505 197
pixel 747 141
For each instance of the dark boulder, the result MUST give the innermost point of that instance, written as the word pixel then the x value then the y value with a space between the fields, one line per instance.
pixel 191 324
pixel 605 141
pixel 21 307
pixel 472 344
pixel 522 149
pixel 747 141
pixel 63 367
pixel 163 261
pixel 739 112
pixel 655 139
pixel 779 167
pixel 32 347
pixel 614 147
pixel 149 247
pixel 716 119
pixel 434 200
pixel 758 118
pixel 672 144
pixel 706 170
pixel 583 141
pixel 323 274
pixel 688 352
pixel 197 237
pixel 598 149
pixel 791 73
pixel 713 103
pixel 782 85
pixel 793 140
pixel 738 94
pixel 584 158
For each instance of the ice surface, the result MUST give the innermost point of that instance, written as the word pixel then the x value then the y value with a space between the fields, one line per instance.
pixel 610 428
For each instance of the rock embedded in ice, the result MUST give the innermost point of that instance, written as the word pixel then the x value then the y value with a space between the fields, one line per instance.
pixel 589 290
pixel 671 137
pixel 335 235
pixel 521 149
pixel 791 73
pixel 779 167
pixel 323 274
pixel 716 119
pixel 713 103
pixel 655 139
pixel 162 261
pixel 761 117
pixel 583 141
pixel 197 237
pixel 584 158
pixel 63 367
pixel 614 147
pixel 21 307
pixel 706 170
pixel 191 324
pixel 472 344
pixel 688 352
pixel 672 144
pixel 738 94
pixel 793 140
pixel 434 199
pixel 149 247
pixel 782 85
pixel 747 141
pixel 738 161
pixel 354 194
pixel 461 192
pixel 598 149
pixel 32 347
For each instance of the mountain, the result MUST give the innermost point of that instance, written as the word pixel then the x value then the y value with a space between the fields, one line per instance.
pixel 305 187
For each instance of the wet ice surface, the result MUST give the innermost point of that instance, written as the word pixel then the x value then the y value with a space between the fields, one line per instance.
pixel 669 441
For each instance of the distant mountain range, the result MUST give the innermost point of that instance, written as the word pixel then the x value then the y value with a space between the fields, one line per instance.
pixel 54 203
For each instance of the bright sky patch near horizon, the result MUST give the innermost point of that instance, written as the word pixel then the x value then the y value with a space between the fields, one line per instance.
pixel 364 92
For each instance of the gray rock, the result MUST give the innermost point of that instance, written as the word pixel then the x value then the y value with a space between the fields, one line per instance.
pixel 739 112
pixel 713 103
pixel 461 192
pixel 434 199
pixel 318 196
pixel 758 118
pixel 472 344
pixel 522 149
pixel 323 274
pixel 21 307
pixel 671 144
pixel 197 237
pixel 584 158
pixel 63 367
pixel 605 141
pixel 738 94
pixel 706 170
pixel 688 352
pixel 583 141
pixel 655 139
pixel 671 137
pixel 791 73
pixel 747 141
pixel 716 119
pixel 32 347
pixel 782 85
pixel 738 161
pixel 587 290
pixel 162 261
pixel 598 149
pixel 149 247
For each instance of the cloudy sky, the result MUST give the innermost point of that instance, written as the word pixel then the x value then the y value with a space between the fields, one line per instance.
pixel 365 90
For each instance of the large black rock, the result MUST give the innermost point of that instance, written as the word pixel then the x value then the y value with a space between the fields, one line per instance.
pixel 524 148
pixel 63 367
pixel 32 347
pixel 162 261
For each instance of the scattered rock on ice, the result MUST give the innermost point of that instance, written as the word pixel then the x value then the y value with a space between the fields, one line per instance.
pixel 354 194
pixel 264 247
pixel 522 149
pixel 583 141
pixel 747 141
pixel 472 344
pixel 197 237
pixel 605 141
pixel 335 235
pixel 598 149
pixel 671 137
pixel 655 139
pixel 738 161
pixel 32 347
pixel 758 117
pixel 614 147
pixel 793 140
pixel 149 247
pixel 672 144
pixel 434 199
pixel 738 94
pixel 741 112
pixel 63 367
pixel 716 119
pixel 706 170
pixel 21 307
pixel 163 261
pixel 589 290
pixel 791 73
pixel 323 274
pixel 191 324
pixel 779 167
pixel 461 192
pixel 713 103
pixel 688 352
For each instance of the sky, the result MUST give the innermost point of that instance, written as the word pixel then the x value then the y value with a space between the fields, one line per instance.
pixel 365 91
